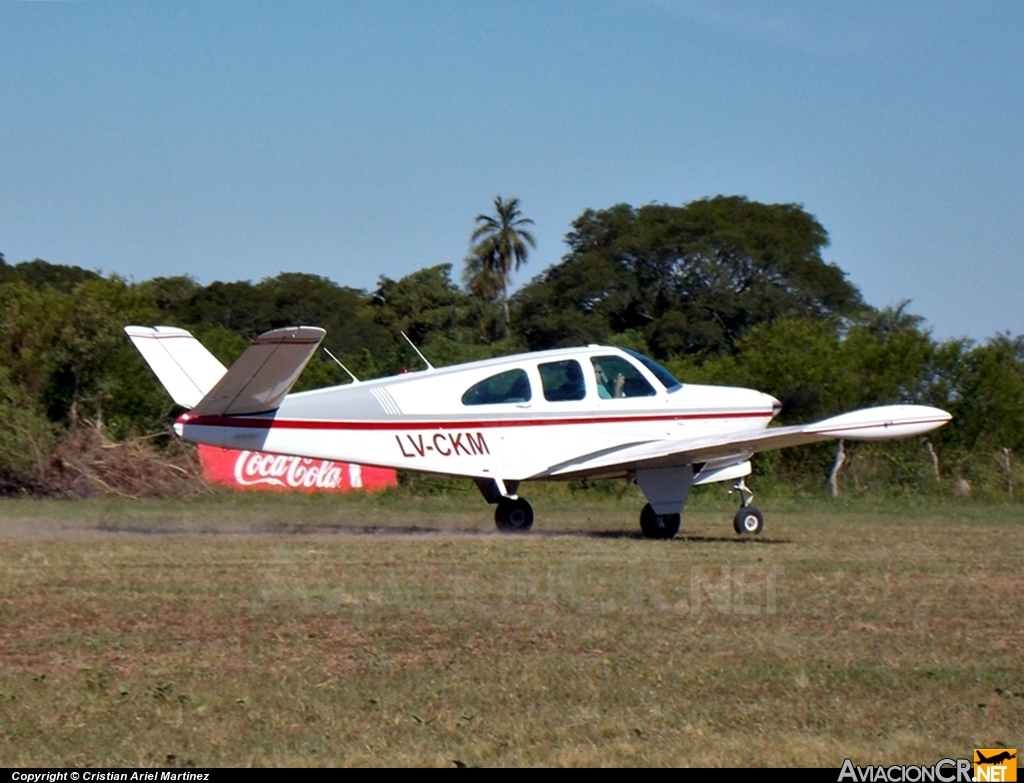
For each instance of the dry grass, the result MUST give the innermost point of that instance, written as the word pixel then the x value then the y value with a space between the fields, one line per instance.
pixel 85 463
pixel 284 631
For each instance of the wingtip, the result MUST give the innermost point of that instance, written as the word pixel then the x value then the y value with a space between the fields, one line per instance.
pixel 937 414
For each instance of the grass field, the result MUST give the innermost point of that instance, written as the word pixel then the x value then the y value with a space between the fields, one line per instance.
pixel 291 631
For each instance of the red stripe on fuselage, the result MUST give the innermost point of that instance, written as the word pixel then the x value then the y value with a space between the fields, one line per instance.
pixel 322 424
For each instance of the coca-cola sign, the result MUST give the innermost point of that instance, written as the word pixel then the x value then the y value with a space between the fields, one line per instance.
pixel 259 470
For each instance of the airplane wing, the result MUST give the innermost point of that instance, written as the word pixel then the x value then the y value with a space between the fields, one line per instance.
pixel 882 423
pixel 261 377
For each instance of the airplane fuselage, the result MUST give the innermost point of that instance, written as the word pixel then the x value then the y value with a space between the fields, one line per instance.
pixel 440 421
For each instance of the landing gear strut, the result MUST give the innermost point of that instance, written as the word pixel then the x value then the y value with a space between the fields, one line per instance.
pixel 513 515
pixel 661 526
pixel 748 520
pixel 665 489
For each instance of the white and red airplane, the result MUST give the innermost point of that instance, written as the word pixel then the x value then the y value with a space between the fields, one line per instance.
pixel 569 413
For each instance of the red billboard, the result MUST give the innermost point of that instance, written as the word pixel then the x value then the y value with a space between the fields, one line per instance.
pixel 257 470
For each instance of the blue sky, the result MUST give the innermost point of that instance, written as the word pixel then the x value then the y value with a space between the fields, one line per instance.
pixel 237 140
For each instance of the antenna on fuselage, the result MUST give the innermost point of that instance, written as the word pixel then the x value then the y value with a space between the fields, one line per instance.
pixel 413 346
pixel 342 366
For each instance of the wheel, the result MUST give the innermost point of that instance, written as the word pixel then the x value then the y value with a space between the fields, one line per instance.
pixel 658 525
pixel 513 515
pixel 748 520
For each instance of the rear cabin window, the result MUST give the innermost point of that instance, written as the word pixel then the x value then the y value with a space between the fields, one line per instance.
pixel 508 386
pixel 617 378
pixel 562 380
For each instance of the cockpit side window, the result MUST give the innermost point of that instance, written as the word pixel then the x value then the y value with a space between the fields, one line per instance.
pixel 508 386
pixel 659 372
pixel 562 380
pixel 617 378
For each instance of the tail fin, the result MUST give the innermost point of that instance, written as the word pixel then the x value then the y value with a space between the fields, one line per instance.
pixel 261 377
pixel 186 369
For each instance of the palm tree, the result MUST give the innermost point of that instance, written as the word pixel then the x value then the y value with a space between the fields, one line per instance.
pixel 500 240
pixel 480 279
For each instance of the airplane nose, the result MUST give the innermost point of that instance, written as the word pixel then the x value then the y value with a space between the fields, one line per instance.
pixel 776 405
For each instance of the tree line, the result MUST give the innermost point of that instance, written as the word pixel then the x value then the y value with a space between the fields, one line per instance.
pixel 720 290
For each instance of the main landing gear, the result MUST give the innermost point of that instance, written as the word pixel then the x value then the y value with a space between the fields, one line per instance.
pixel 658 526
pixel 748 520
pixel 513 515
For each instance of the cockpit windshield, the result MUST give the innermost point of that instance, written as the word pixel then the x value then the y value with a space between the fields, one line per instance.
pixel 659 372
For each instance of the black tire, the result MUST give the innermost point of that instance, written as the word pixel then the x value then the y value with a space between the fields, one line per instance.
pixel 658 526
pixel 513 515
pixel 748 521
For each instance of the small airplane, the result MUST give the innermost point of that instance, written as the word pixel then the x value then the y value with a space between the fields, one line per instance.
pixel 996 759
pixel 570 413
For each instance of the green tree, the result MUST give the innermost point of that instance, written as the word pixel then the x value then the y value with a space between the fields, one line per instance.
pixel 983 387
pixel 66 358
pixel 26 439
pixel 689 279
pixel 38 273
pixel 438 317
pixel 224 316
pixel 424 304
pixel 893 357
pixel 499 242
pixel 481 280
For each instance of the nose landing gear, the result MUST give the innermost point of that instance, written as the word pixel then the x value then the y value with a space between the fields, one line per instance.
pixel 748 520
